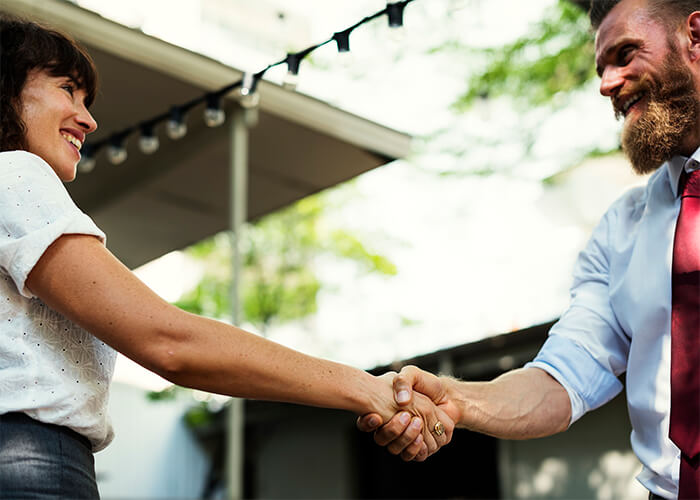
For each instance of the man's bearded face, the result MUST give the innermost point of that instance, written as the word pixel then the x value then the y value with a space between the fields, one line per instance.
pixel 671 115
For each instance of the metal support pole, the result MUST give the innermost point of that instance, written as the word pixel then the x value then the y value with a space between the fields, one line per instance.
pixel 238 215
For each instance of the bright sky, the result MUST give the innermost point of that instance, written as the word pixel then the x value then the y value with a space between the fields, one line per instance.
pixel 476 255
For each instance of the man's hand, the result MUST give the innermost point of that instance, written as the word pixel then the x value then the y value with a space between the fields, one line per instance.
pixel 402 434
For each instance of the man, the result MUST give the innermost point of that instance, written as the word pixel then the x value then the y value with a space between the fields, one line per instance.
pixel 636 295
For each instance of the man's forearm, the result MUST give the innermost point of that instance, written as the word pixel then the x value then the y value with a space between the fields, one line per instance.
pixel 521 404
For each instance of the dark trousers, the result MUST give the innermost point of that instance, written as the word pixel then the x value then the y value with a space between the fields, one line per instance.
pixel 44 461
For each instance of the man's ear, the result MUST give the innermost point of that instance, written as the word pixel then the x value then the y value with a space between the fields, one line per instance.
pixel 693 36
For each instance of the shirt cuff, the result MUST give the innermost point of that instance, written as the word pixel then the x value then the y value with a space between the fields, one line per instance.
pixel 588 384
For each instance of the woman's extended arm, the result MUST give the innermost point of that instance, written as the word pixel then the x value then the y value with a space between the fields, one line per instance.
pixel 78 277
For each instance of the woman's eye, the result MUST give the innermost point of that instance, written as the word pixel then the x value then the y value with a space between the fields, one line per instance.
pixel 68 88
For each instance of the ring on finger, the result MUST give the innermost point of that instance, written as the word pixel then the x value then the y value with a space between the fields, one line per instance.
pixel 438 428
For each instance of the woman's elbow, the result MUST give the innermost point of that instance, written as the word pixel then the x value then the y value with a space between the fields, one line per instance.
pixel 166 352
pixel 168 362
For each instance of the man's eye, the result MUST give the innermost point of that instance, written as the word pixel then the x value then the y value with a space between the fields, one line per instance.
pixel 624 55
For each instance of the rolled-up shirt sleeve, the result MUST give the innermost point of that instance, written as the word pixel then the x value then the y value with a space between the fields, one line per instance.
pixel 35 210
pixel 587 349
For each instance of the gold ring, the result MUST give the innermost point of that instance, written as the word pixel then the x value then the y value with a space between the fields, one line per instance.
pixel 438 428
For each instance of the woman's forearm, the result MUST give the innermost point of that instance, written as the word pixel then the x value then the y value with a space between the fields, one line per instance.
pixel 521 404
pixel 217 357
pixel 78 277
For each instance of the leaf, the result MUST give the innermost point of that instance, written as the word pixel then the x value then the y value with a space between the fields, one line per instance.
pixel 556 56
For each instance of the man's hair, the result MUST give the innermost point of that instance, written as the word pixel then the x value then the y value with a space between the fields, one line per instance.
pixel 670 12
pixel 26 46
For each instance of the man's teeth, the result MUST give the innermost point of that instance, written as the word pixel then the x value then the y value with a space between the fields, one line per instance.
pixel 74 141
pixel 630 102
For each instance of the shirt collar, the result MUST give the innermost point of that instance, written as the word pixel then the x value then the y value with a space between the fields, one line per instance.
pixel 679 163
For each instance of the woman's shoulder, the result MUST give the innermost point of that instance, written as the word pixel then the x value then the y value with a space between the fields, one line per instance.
pixel 13 160
pixel 22 168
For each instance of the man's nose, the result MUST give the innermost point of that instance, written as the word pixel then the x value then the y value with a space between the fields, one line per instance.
pixel 611 81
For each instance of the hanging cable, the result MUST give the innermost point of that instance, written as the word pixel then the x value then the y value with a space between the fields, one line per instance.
pixel 214 115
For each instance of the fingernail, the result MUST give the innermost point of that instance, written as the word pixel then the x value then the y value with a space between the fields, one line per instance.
pixel 416 423
pixel 373 422
pixel 419 439
pixel 404 418
pixel 403 397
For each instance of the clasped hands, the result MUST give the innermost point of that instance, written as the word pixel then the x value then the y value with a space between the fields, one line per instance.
pixel 425 418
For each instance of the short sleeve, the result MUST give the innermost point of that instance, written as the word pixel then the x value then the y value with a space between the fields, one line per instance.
pixel 587 349
pixel 35 210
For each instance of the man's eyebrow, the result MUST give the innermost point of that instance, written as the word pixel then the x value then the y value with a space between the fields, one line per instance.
pixel 606 54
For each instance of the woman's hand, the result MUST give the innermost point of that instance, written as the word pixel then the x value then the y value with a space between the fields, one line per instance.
pixel 413 431
pixel 405 435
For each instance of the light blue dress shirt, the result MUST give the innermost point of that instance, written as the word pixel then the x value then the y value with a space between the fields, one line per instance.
pixel 619 320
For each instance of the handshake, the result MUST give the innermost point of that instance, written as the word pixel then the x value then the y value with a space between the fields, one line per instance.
pixel 423 415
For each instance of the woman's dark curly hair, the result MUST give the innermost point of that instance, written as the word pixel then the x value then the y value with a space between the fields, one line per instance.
pixel 26 46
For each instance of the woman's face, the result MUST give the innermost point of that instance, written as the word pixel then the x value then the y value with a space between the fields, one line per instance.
pixel 56 120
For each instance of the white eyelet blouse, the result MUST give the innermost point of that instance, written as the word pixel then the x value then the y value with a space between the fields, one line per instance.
pixel 50 368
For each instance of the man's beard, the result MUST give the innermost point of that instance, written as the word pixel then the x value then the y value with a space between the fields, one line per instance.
pixel 671 115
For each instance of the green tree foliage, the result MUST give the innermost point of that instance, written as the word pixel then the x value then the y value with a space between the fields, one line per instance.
pixel 279 283
pixel 557 55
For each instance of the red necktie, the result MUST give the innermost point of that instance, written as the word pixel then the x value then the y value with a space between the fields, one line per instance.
pixel 685 338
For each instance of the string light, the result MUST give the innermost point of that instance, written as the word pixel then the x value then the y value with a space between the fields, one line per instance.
pixel 246 93
pixel 291 79
pixel 394 11
pixel 116 152
pixel 148 141
pixel 87 159
pixel 248 96
pixel 293 61
pixel 342 40
pixel 213 114
pixel 175 127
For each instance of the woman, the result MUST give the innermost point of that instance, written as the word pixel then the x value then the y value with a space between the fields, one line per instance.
pixel 67 303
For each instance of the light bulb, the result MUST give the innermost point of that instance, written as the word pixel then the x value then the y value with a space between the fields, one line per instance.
pixel 214 117
pixel 398 34
pixel 248 96
pixel 249 100
pixel 148 140
pixel 213 114
pixel 291 80
pixel 175 127
pixel 87 164
pixel 148 144
pixel 175 130
pixel 116 154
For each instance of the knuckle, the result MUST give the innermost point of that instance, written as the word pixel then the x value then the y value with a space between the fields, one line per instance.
pixel 392 430
pixel 381 440
pixel 394 449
